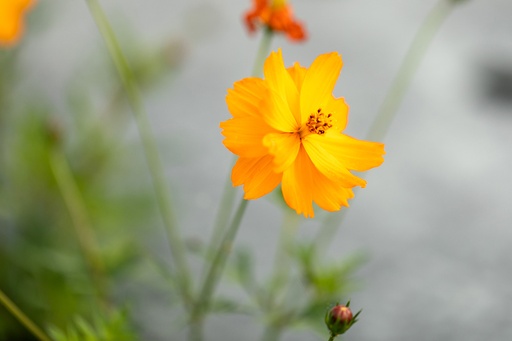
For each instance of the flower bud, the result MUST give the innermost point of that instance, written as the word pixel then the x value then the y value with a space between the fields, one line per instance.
pixel 339 319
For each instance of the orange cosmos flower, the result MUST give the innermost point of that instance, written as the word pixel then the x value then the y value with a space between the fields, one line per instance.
pixel 11 21
pixel 276 15
pixel 287 128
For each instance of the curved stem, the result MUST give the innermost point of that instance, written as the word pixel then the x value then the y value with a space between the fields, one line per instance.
pixel 395 95
pixel 150 149
pixel 81 221
pixel 22 318
pixel 202 304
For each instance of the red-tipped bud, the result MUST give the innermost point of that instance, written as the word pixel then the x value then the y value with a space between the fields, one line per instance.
pixel 340 318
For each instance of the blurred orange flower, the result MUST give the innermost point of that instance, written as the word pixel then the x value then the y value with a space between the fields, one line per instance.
pixel 287 128
pixel 11 20
pixel 276 15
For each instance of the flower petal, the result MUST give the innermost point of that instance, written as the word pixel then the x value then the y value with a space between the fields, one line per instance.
pixel 244 136
pixel 278 114
pixel 297 73
pixel 325 159
pixel 246 97
pixel 303 184
pixel 245 131
pixel 284 147
pixel 354 154
pixel 283 87
pixel 339 110
pixel 257 176
pixel 298 184
pixel 328 194
pixel 319 83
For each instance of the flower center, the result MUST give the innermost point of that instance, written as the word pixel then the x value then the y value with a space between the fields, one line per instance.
pixel 318 122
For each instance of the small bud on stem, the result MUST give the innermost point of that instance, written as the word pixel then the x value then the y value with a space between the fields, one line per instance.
pixel 339 319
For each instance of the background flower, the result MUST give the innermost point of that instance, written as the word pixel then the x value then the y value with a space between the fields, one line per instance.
pixel 277 15
pixel 11 19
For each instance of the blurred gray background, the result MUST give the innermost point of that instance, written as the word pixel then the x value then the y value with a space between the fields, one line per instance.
pixel 435 219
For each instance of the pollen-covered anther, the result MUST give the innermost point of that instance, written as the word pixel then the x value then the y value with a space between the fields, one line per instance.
pixel 318 122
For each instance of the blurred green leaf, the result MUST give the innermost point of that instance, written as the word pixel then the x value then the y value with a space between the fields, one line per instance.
pixel 115 327
pixel 230 306
pixel 244 267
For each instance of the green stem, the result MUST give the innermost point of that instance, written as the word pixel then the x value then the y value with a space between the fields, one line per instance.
pixel 331 338
pixel 224 212
pixel 271 333
pixel 22 318
pixel 282 261
pixel 395 95
pixel 228 193
pixel 81 222
pixel 262 53
pixel 408 68
pixel 150 149
pixel 202 304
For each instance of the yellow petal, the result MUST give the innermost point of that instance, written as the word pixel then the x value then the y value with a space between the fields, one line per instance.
pixel 277 114
pixel 284 147
pixel 257 176
pixel 244 136
pixel 246 97
pixel 297 185
pixel 245 131
pixel 327 162
pixel 354 154
pixel 319 83
pixel 339 110
pixel 283 87
pixel 297 72
pixel 328 194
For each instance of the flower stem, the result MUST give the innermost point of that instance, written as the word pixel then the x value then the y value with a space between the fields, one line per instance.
pixel 81 222
pixel 408 68
pixel 271 333
pixel 224 212
pixel 395 95
pixel 228 193
pixel 22 318
pixel 282 259
pixel 331 338
pixel 150 149
pixel 202 304
pixel 262 51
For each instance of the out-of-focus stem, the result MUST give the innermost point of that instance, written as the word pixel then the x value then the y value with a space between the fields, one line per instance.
pixel 408 68
pixel 202 304
pixel 282 260
pixel 262 52
pixel 150 149
pixel 395 95
pixel 81 222
pixel 228 194
pixel 272 333
pixel 22 318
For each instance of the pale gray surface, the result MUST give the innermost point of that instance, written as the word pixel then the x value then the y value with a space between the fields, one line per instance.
pixel 435 218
